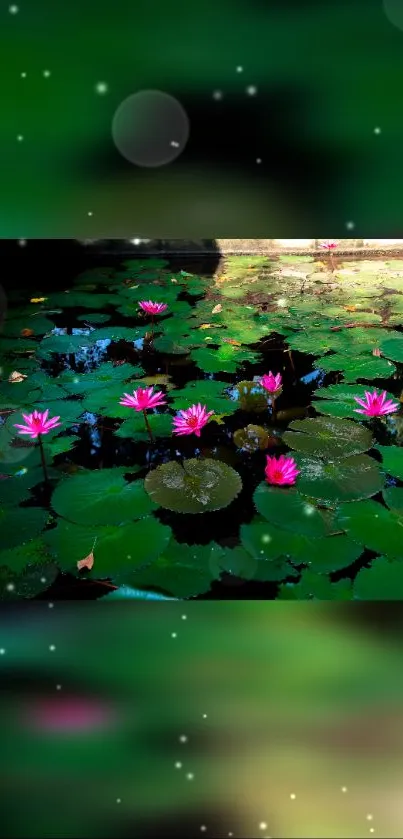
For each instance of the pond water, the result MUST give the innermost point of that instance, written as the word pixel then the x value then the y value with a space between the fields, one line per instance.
pixel 155 514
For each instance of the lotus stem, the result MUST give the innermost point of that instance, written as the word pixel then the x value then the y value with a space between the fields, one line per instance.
pixel 152 327
pixel 331 261
pixel 273 409
pixel 45 471
pixel 291 360
pixel 148 427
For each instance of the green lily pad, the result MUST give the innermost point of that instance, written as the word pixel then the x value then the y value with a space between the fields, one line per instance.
pixel 182 571
pixel 392 348
pixel 61 445
pixel 95 317
pixel 17 558
pixel 134 427
pixel 63 344
pixel 328 437
pixel 196 487
pixel 393 497
pixel 316 587
pixel 238 562
pixel 121 550
pixel 338 400
pixel 106 374
pixel 372 525
pixel 101 497
pixel 206 391
pixel 392 460
pixel 252 397
pixel 383 580
pixel 349 479
pixel 225 359
pixel 327 555
pixel 19 524
pixel 169 346
pixel 360 367
pixel 287 509
pixel 271 548
pixel 252 438
pixel 68 543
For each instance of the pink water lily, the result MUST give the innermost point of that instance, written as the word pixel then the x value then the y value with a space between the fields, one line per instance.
pixel 328 246
pixel 152 308
pixel 37 423
pixel 272 383
pixel 192 420
pixel 143 398
pixel 375 404
pixel 281 471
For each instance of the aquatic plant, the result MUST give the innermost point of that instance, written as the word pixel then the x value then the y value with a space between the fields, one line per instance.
pixel 271 382
pixel 281 471
pixel 375 404
pixel 152 309
pixel 192 420
pixel 38 424
pixel 143 399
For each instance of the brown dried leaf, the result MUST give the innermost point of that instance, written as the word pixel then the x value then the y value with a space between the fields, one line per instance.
pixel 26 333
pixel 87 562
pixel 377 352
pixel 216 309
pixel 16 377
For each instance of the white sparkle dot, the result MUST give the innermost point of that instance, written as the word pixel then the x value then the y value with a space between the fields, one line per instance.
pixel 344 789
pixel 350 225
pixel 118 801
pixel 13 10
pixel 308 510
pixel 370 817
pixel 135 241
pixel 43 579
pixel 372 830
pixel 204 716
pixel 10 586
pixel 129 556
pixel 173 635
pixel 183 738
pixel 2 651
pixel 258 160
pixel 174 144
pixel 101 88
pixel 217 95
pixel 90 213
pixel 266 539
pixel 251 90
pixel 23 75
pixel 46 74
pixel 281 302
pixel 203 828
pixel 20 138
pixel 184 617
pixel 239 69
pixel 50 605
pixel 230 834
pixel 293 795
pixel 190 776
pixel 178 765
pixel 58 687
pixel 52 648
pixel 262 826
pixel 377 130
pixel 22 243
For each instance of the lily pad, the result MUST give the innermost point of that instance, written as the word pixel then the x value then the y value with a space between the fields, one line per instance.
pixel 252 397
pixel 393 497
pixel 182 571
pixel 134 426
pixel 349 479
pixel 196 487
pixel 338 400
pixel 17 558
pixel 287 509
pixel 327 555
pixel 314 586
pixel 101 497
pixel 19 524
pixel 392 460
pixel 208 392
pixel 393 348
pixel 360 367
pixel 252 438
pixel 272 549
pixel 328 437
pixel 122 549
pixel 372 525
pixel 383 580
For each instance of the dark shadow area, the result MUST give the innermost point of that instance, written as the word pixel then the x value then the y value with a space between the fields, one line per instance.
pixel 53 264
pixel 180 826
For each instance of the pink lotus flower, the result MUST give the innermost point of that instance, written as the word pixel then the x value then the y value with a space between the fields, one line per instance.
pixel 143 398
pixel 375 404
pixel 192 420
pixel 328 246
pixel 37 424
pixel 69 715
pixel 153 308
pixel 281 471
pixel 271 383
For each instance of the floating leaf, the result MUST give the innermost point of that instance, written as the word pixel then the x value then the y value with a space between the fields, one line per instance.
pixel 394 499
pixel 286 508
pixel 19 524
pixel 120 550
pixel 342 480
pixel 372 525
pixel 251 438
pixel 339 400
pixel 327 555
pixel 101 497
pixel 392 460
pixel 271 548
pixel 196 487
pixel 316 587
pixel 207 392
pixel 87 562
pixel 392 348
pixel 251 396
pixel 216 309
pixel 182 570
pixel 383 580
pixel 328 437
pixel 360 367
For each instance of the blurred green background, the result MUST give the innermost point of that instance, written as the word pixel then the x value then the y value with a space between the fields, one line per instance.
pixel 324 118
pixel 244 718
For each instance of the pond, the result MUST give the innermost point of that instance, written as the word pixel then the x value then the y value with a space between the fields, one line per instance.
pixel 277 487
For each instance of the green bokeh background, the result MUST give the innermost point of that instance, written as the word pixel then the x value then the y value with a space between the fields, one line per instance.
pixel 275 700
pixel 326 74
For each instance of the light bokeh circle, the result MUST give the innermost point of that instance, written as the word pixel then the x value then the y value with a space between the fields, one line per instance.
pixel 150 128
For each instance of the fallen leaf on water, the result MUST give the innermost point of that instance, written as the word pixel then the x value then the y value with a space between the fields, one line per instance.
pixel 26 333
pixel 350 308
pixel 376 352
pixel 206 326
pixel 216 309
pixel 232 342
pixel 38 299
pixel 87 562
pixel 16 377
